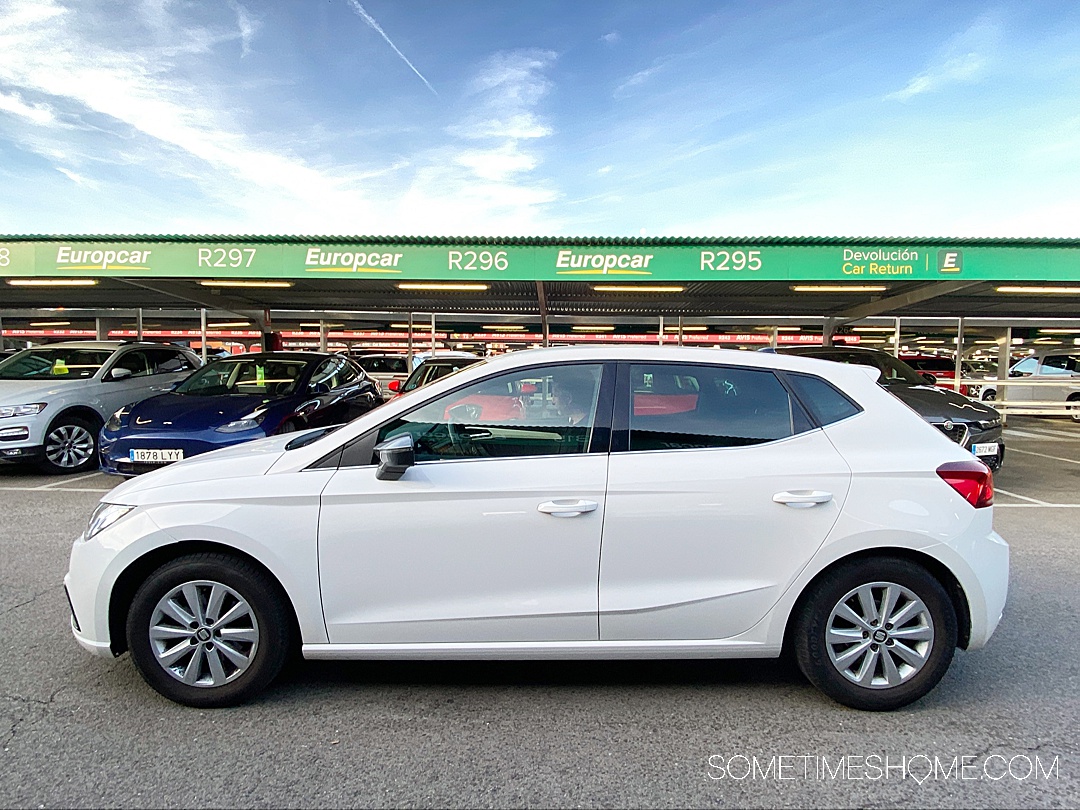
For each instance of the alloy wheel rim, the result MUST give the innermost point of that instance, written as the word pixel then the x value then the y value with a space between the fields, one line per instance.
pixel 879 635
pixel 204 633
pixel 69 446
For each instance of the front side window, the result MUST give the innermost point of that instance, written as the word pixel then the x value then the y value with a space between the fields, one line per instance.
pixel 135 362
pixel 335 372
pixel 169 361
pixel 1025 367
pixel 531 412
pixel 1058 364
pixel 53 364
pixel 677 407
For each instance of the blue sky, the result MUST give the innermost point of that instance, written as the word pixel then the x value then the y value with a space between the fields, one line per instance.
pixel 609 118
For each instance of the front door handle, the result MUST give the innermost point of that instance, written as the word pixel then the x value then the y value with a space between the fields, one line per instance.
pixel 802 499
pixel 566 508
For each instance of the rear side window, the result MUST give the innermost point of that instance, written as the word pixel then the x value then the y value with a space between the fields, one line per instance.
pixel 1059 364
pixel 824 401
pixel 676 407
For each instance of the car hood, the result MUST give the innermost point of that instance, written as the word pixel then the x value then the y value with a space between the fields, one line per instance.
pixel 187 412
pixel 938 404
pixel 242 460
pixel 20 392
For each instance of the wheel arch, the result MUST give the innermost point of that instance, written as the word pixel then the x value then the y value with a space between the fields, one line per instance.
pixel 935 567
pixel 84 412
pixel 126 585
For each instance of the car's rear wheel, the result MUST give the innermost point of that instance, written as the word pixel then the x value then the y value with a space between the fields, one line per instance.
pixel 876 633
pixel 1074 408
pixel 71 446
pixel 989 396
pixel 208 630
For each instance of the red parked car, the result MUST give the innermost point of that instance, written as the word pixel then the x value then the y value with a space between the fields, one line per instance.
pixel 943 369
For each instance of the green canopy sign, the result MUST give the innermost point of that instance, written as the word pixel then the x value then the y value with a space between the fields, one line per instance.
pixel 620 263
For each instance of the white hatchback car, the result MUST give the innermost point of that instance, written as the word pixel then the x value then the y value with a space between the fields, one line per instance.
pixel 55 398
pixel 563 503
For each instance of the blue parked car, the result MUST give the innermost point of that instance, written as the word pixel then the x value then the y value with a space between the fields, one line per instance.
pixel 234 400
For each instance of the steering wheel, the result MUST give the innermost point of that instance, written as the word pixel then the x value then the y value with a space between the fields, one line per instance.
pixel 459 439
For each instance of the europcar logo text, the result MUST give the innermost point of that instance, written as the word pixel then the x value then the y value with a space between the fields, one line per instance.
pixel 950 261
pixel 68 258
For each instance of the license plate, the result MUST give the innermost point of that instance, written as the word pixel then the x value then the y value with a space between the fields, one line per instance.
pixel 156 456
pixel 988 449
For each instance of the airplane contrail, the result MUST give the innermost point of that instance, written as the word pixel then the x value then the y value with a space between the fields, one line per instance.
pixel 359 9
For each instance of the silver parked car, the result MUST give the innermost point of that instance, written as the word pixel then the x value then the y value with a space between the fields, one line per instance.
pixel 54 399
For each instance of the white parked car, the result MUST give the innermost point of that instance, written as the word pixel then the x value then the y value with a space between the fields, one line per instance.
pixel 54 399
pixel 1045 366
pixel 591 502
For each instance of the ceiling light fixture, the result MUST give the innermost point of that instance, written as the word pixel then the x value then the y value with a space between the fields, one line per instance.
pixel 328 326
pixel 504 327
pixel 693 328
pixel 634 288
pixel 407 285
pixel 873 329
pixel 52 282
pixel 1059 331
pixel 839 288
pixel 1040 290
pixel 256 284
pixel 51 323
pixel 592 328
pixel 232 325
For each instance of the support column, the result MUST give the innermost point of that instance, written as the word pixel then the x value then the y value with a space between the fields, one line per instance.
pixel 432 334
pixel 896 339
pixel 661 330
pixel 138 324
pixel 408 345
pixel 774 336
pixel 202 332
pixel 959 366
pixel 541 298
pixel 1004 358
pixel 680 330
pixel 322 335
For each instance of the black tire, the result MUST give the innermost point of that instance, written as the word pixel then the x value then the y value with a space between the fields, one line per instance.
pixel 259 609
pixel 71 446
pixel 838 588
pixel 990 396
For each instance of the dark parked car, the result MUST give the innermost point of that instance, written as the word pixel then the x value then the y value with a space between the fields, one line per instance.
pixel 234 400
pixel 973 425
pixel 434 368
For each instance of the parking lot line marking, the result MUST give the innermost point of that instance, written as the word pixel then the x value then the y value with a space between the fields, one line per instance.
pixel 67 481
pixel 1046 437
pixel 1043 455
pixel 1021 497
pixel 1037 505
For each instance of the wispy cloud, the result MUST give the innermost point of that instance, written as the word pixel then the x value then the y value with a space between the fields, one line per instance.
pixel 248 27
pixel 611 38
pixel 359 9
pixel 965 58
pixel 638 79
pixel 35 113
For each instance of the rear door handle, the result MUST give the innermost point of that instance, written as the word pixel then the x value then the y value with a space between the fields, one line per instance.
pixel 802 499
pixel 566 508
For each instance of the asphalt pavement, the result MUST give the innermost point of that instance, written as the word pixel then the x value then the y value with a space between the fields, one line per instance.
pixel 999 731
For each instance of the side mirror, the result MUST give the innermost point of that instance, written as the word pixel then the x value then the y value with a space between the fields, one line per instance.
pixel 1014 373
pixel 396 455
pixel 119 373
pixel 394 386
pixel 930 378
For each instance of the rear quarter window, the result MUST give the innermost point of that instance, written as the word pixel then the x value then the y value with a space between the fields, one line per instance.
pixel 826 402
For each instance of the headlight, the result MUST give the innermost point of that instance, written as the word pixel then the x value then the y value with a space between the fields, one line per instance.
pixel 119 419
pixel 249 422
pixel 104 516
pixel 22 410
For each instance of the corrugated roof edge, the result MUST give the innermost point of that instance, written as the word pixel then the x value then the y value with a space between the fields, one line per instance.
pixel 545 241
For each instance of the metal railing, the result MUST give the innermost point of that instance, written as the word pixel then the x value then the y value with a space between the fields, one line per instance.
pixel 1037 405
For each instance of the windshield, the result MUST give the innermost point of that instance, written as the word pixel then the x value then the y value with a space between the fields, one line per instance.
pixel 53 364
pixel 897 371
pixel 435 371
pixel 260 376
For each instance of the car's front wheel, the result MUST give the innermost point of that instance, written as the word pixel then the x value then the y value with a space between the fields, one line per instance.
pixel 208 630
pixel 71 446
pixel 876 633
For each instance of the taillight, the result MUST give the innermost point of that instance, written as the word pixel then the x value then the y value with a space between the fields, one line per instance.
pixel 972 479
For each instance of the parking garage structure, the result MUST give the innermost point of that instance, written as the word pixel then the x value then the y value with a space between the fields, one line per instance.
pixel 487 293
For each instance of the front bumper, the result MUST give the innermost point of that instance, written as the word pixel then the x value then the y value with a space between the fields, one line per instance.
pixel 115 448
pixel 969 435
